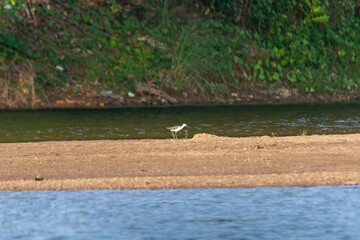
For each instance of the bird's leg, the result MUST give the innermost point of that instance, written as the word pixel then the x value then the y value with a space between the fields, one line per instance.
pixel 176 135
pixel 172 134
pixel 186 133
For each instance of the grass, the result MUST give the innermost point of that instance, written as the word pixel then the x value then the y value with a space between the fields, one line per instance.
pixel 303 132
pixel 208 49
pixel 197 63
pixel 109 45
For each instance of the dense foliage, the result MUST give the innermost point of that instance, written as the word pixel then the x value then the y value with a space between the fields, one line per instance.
pixel 209 46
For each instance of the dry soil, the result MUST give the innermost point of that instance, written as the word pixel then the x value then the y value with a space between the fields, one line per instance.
pixel 205 161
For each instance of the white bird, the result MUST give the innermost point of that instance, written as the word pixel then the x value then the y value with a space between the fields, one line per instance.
pixel 176 129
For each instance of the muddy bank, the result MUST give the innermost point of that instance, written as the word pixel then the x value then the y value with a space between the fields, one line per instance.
pixel 86 97
pixel 204 161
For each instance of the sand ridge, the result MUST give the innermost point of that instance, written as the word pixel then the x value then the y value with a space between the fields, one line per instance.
pixel 203 161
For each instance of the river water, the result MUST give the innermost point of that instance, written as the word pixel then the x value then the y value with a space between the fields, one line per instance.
pixel 139 123
pixel 248 213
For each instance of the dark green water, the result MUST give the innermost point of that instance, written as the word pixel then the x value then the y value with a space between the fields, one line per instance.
pixel 136 123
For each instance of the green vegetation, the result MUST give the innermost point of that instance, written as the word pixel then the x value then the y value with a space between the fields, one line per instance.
pixel 208 46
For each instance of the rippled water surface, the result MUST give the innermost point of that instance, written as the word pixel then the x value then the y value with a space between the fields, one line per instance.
pixel 248 213
pixel 132 123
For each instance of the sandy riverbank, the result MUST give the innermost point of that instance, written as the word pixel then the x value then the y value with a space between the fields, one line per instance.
pixel 201 162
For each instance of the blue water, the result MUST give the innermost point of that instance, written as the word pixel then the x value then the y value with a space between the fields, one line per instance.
pixel 247 213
